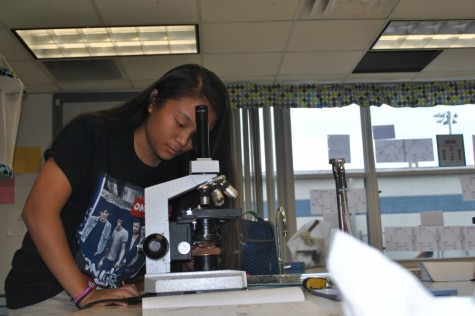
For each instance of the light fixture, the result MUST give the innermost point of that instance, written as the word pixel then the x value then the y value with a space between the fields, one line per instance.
pixel 427 35
pixel 110 41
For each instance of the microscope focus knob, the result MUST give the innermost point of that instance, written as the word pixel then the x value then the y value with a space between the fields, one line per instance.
pixel 155 246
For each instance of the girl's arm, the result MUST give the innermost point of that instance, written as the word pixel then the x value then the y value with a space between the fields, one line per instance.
pixel 42 217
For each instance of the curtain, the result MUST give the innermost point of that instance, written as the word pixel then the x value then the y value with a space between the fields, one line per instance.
pixel 11 92
pixel 414 94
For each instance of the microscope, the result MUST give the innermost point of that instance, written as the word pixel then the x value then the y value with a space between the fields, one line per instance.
pixel 172 241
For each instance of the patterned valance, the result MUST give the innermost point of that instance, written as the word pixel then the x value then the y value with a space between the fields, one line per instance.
pixel 414 94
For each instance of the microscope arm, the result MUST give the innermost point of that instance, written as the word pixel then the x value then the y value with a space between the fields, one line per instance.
pixel 156 213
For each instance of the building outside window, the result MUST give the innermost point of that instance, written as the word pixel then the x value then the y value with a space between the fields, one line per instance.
pixel 424 166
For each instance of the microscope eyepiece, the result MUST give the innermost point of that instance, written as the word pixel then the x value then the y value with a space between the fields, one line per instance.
pixel 202 132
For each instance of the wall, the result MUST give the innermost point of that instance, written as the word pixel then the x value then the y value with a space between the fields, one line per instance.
pixel 35 129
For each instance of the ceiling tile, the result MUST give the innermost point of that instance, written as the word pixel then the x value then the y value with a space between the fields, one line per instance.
pixel 334 35
pixel 242 64
pixel 30 72
pixel 84 69
pixel 244 37
pixel 344 9
pixel 320 62
pixel 152 67
pixel 48 13
pixel 449 60
pixel 11 47
pixel 434 9
pixel 248 10
pixel 147 12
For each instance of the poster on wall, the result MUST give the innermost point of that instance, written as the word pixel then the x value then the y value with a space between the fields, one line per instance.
pixel 468 187
pixel 404 150
pixel 384 132
pixel 339 147
pixel 7 192
pixel 27 160
pixel 450 150
pixel 325 201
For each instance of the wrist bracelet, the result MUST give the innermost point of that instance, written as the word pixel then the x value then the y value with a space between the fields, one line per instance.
pixel 87 290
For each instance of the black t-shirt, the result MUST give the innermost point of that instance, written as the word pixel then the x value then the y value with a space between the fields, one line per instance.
pixel 105 173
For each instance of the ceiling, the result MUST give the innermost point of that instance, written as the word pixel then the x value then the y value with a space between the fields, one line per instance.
pixel 259 41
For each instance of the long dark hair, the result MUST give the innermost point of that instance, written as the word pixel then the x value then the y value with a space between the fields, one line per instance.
pixel 189 80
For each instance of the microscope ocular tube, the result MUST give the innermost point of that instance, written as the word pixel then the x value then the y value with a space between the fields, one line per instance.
pixel 202 133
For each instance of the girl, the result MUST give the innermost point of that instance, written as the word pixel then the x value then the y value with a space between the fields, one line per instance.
pixel 103 161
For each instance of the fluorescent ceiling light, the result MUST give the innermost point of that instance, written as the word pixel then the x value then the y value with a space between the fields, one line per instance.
pixel 110 41
pixel 427 35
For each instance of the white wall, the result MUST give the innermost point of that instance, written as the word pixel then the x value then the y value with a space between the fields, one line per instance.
pixel 35 129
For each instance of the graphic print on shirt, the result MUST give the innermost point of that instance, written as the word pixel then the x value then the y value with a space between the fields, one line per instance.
pixel 112 233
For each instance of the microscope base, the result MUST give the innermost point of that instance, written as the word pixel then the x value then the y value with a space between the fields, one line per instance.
pixel 195 281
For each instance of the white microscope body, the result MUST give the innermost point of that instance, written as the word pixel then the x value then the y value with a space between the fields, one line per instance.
pixel 160 246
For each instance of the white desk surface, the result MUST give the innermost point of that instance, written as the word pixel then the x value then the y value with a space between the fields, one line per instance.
pixel 465 288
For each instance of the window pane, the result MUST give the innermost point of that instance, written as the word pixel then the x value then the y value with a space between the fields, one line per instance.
pixel 316 199
pixel 426 216
pixel 317 136
pixel 407 137
pixel 424 212
pixel 321 134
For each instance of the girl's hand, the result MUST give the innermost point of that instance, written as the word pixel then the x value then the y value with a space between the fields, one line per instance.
pixel 106 297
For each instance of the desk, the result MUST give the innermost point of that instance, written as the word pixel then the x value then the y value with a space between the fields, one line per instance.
pixel 465 288
pixel 332 308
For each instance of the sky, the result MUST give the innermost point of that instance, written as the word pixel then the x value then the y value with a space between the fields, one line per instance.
pixel 311 127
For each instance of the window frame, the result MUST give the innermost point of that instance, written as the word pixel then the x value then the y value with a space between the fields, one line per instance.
pixel 284 174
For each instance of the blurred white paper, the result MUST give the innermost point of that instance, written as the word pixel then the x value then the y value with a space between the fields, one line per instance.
pixel 374 285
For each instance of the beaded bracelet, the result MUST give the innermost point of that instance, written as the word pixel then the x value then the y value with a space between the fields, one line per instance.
pixel 87 290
